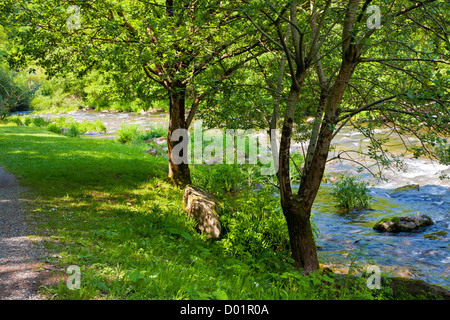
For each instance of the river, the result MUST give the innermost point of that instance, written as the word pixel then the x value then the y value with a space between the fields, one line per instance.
pixel 348 239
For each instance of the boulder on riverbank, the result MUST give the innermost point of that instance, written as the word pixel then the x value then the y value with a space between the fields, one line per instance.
pixel 417 288
pixel 402 288
pixel 202 205
pixel 403 224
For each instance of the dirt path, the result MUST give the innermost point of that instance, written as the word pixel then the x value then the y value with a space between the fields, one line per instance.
pixel 19 266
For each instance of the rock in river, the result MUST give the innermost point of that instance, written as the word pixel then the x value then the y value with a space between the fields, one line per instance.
pixel 403 224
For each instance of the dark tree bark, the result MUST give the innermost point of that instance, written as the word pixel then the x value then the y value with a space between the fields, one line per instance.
pixel 179 173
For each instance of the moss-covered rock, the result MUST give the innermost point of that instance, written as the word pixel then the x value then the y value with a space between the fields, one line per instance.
pixel 417 289
pixel 408 187
pixel 403 224
pixel 399 288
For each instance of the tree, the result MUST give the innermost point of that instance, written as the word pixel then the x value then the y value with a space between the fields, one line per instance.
pixel 14 91
pixel 332 54
pixel 187 47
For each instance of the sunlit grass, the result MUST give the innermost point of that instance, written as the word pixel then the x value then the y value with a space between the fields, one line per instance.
pixel 106 208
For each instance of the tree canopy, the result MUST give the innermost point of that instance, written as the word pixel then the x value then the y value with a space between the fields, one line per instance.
pixel 267 64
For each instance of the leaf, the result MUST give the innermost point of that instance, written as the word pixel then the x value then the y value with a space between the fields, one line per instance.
pixel 186 235
pixel 174 230
pixel 221 295
pixel 135 275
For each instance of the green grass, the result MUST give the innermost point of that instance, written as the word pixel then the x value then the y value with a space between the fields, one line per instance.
pixel 105 207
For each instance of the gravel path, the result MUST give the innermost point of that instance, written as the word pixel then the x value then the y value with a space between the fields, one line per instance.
pixel 19 267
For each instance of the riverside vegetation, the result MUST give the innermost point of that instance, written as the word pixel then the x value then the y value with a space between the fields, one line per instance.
pixel 106 207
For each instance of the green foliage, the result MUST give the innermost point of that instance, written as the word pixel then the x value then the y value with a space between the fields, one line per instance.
pixel 154 132
pixel 73 131
pixel 60 125
pixel 295 164
pixel 253 224
pixel 53 127
pixel 350 194
pixel 69 127
pixel 128 132
pixel 220 178
pixel 14 92
pixel 27 121
pixel 37 122
pixel 252 220
pixel 132 133
pixel 14 119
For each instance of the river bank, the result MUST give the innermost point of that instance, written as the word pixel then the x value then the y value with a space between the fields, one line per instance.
pixel 350 236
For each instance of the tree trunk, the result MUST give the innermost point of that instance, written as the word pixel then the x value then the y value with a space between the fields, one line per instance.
pixel 301 237
pixel 179 173
pixel 303 245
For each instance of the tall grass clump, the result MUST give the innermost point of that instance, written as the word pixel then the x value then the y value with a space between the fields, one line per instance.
pixel 128 132
pixel 131 133
pixel 351 194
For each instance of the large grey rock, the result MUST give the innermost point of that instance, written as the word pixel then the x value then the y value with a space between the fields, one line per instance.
pixel 201 205
pixel 404 224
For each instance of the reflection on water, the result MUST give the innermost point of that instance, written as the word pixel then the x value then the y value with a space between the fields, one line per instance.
pixel 346 235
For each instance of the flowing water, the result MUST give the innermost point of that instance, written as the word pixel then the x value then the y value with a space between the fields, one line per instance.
pixel 347 236
pixel 348 239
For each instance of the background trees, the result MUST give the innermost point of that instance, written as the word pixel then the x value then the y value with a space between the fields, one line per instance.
pixel 186 47
pixel 16 86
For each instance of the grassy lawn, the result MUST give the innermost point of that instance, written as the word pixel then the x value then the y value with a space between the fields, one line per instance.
pixel 105 207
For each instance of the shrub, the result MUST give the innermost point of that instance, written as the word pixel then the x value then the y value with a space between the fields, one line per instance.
pixel 155 132
pixel 219 178
pixel 128 133
pixel 15 119
pixel 27 121
pixel 253 224
pixel 39 122
pixel 73 131
pixel 99 126
pixel 52 127
pixel 351 194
